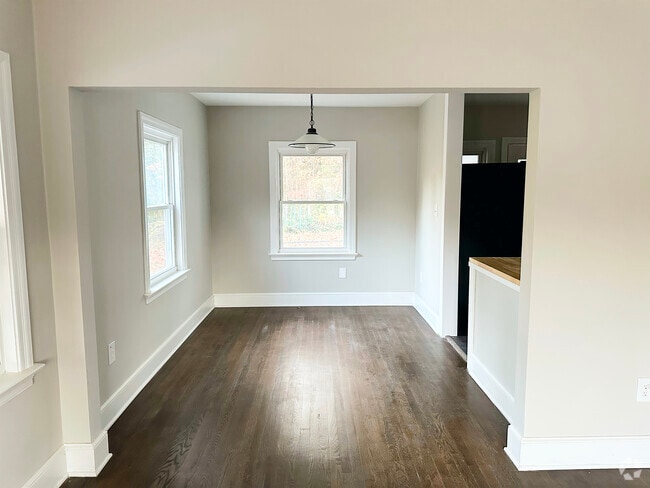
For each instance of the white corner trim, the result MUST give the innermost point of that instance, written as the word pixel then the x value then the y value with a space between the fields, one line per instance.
pixel 87 460
pixel 513 446
pixel 312 299
pixel 117 403
pixel 495 391
pixel 560 453
pixel 13 384
pixel 52 474
pixel 429 316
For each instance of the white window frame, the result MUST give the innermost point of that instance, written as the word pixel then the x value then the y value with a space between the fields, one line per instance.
pixel 347 149
pixel 151 128
pixel 17 368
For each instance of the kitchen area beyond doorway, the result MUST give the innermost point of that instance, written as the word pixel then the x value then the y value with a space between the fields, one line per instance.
pixel 492 189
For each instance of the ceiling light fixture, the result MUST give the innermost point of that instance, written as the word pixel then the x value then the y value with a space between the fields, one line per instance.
pixel 311 140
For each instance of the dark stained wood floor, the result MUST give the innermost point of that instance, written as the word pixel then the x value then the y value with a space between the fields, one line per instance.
pixel 311 397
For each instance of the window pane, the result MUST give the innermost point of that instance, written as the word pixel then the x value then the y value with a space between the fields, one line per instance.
pixel 306 178
pixel 470 159
pixel 313 225
pixel 161 251
pixel 155 172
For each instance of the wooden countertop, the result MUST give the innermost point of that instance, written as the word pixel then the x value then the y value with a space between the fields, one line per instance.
pixel 507 268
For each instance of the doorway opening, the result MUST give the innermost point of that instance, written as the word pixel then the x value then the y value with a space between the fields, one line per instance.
pixel 492 187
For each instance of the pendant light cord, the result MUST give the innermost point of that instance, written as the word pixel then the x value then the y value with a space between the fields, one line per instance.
pixel 311 103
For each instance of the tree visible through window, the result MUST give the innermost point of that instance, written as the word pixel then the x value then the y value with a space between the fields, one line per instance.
pixel 160 220
pixel 313 202
pixel 163 203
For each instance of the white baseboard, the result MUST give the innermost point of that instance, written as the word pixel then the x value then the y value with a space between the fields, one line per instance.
pixel 52 474
pixel 311 299
pixel 513 446
pixel 429 316
pixel 561 453
pixel 495 391
pixel 87 460
pixel 117 403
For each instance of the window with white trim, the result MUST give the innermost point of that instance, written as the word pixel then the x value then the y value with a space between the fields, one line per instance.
pixel 17 367
pixel 163 212
pixel 312 202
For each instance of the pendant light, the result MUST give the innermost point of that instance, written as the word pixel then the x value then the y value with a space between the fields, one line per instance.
pixel 311 140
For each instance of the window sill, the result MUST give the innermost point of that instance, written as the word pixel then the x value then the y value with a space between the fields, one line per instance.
pixel 165 285
pixel 319 256
pixel 13 384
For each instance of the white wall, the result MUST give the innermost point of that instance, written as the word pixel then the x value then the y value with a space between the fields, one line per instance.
pixel 493 329
pixel 30 424
pixel 113 178
pixel 430 207
pixel 587 263
pixel 386 166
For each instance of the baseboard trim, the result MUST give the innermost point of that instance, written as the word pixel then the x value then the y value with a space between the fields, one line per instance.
pixel 87 460
pixel 562 453
pixel 494 390
pixel 52 474
pixel 122 398
pixel 429 316
pixel 312 299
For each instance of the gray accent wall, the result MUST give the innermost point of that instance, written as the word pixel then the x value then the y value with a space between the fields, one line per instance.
pixel 387 147
pixel 113 173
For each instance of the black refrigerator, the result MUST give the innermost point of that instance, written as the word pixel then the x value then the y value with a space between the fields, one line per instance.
pixel 491 220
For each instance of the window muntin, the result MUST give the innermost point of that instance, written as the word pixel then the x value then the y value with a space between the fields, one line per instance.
pixel 313 202
pixel 163 213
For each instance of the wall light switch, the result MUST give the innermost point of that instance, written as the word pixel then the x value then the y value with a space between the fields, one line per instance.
pixel 111 353
pixel 343 273
pixel 435 210
pixel 643 392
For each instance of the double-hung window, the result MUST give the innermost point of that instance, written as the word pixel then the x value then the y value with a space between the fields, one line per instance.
pixel 313 202
pixel 163 211
pixel 17 366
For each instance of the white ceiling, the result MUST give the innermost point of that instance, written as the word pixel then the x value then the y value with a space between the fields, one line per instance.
pixel 320 100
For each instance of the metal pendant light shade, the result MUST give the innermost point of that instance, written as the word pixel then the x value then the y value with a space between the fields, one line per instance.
pixel 311 140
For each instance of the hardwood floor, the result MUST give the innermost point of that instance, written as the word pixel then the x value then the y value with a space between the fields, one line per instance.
pixel 311 397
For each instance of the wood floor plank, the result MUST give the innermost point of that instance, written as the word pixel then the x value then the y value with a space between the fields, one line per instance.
pixel 318 397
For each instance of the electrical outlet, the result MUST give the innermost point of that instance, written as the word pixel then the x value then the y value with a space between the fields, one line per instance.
pixel 111 353
pixel 343 273
pixel 643 392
